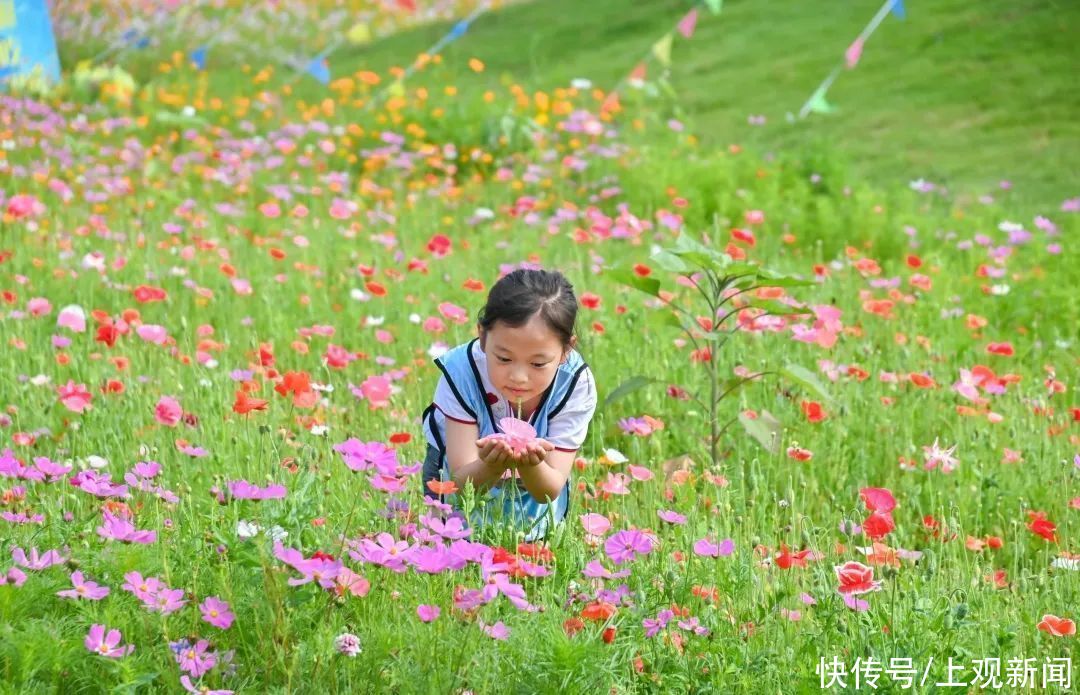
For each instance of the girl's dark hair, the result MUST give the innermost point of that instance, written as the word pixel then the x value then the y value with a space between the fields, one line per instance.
pixel 520 295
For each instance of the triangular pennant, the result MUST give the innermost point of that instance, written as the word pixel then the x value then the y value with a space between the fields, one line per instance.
pixel 611 103
pixel 853 53
pixel 818 104
pixel 319 69
pixel 662 49
pixel 638 73
pixel 459 29
pixel 198 58
pixel 396 88
pixel 687 23
pixel 359 34
pixel 714 5
pixel 898 9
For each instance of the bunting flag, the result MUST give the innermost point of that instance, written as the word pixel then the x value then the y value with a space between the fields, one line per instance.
pixel 853 53
pixel 817 103
pixel 687 23
pixel 319 68
pixel 396 88
pixel 638 73
pixel 359 34
pixel 198 57
pixel 662 49
pixel 714 5
pixel 458 30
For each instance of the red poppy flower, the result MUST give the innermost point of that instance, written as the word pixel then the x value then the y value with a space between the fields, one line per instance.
pixel 145 294
pixel 1003 349
pixel 813 411
pixel 107 334
pixel 1058 627
pixel 244 403
pixel 589 300
pixel 1041 526
pixel 444 487
pixel 878 525
pixel 598 611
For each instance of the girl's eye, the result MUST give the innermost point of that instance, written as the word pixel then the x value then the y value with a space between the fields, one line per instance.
pixel 539 366
pixel 503 360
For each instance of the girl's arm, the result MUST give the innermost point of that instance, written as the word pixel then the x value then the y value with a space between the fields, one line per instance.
pixel 468 463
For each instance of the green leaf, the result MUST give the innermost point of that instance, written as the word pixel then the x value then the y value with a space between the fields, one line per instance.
pixel 627 387
pixel 807 379
pixel 764 428
pixel 670 262
pixel 770 278
pixel 630 279
pixel 778 309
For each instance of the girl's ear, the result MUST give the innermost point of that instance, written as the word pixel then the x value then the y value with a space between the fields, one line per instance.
pixel 482 334
pixel 571 346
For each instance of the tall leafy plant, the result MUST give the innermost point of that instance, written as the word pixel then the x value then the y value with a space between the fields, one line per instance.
pixel 723 287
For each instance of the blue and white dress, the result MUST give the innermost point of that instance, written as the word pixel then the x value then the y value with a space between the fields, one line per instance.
pixel 466 394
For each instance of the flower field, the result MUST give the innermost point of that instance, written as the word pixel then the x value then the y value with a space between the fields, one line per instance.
pixel 219 305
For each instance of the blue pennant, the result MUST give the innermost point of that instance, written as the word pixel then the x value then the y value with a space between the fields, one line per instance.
pixel 198 57
pixel 898 9
pixel 318 69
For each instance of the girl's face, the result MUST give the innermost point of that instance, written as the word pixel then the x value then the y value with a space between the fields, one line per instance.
pixel 522 361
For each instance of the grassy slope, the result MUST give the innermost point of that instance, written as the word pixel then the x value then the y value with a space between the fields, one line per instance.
pixel 959 93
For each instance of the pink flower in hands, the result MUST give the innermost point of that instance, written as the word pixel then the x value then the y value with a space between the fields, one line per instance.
pixel 106 644
pixel 517 434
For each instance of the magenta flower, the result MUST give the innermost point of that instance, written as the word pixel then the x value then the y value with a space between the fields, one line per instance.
pixel 75 397
pixel 595 570
pixel 50 468
pixel 144 589
pixel 654 626
pixel 693 625
pixel 388 483
pixel 515 593
pixel 35 561
pixel 360 456
pixel 384 550
pixel 168 411
pixel 466 600
pixel 319 570
pixel 84 588
pixel 185 681
pixel 196 659
pixel 435 559
pixel 349 582
pixel 706 548
pixel 452 529
pixel 14 576
pixel 671 517
pixel 167 601
pixel 497 631
pixel 123 530
pixel 625 546
pixel 243 490
pixel 216 612
pixel 428 613
pixel 106 644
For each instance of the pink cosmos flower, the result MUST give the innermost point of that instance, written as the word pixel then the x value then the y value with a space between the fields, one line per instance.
pixel 428 613
pixel 384 550
pixel 349 582
pixel 320 570
pixel 14 576
pixel 243 490
pixel 36 562
pixel 626 545
pixel 185 681
pixel 497 631
pixel 707 548
pixel 144 589
pixel 167 601
pixel 84 588
pixel 120 529
pixel 196 659
pixel 595 570
pixel 168 411
pixel 75 397
pixel 104 644
pixel 217 612
pixel 360 456
pixel 671 517
pixel 54 471
pixel 451 529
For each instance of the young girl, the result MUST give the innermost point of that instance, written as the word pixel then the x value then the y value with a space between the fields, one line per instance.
pixel 523 359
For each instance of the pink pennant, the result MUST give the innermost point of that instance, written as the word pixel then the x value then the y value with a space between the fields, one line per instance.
pixel 687 23
pixel 854 51
pixel 638 72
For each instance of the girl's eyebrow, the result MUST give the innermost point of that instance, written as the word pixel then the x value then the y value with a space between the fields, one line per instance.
pixel 500 348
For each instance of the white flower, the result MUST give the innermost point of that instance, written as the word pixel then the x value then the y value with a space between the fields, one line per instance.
pixel 437 350
pixel 999 290
pixel 415 318
pixel 359 295
pixel 319 430
pixel 40 380
pixel 277 533
pixel 580 83
pixel 97 461
pixel 188 111
pixel 374 320
pixel 615 456
pixel 325 388
pixel 484 214
pixel 246 529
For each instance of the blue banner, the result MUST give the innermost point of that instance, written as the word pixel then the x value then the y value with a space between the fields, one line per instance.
pixel 27 44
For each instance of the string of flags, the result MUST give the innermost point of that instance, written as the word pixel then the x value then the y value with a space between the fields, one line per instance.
pixel 817 102
pixel 660 50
